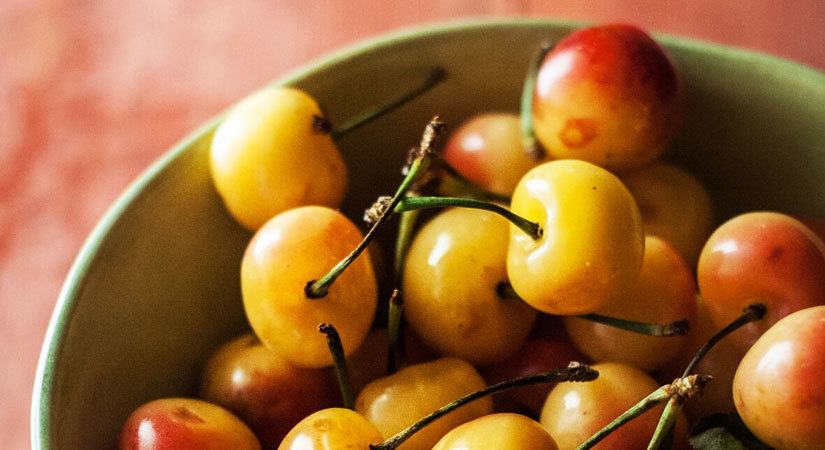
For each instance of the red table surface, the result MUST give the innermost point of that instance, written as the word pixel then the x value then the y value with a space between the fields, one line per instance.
pixel 92 92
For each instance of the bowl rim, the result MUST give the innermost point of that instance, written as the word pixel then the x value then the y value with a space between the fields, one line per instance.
pixel 42 397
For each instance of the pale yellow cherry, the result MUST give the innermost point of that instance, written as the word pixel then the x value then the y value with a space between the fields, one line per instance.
pixel 273 152
pixel 503 431
pixel 332 429
pixel 664 292
pixel 451 275
pixel 592 246
pixel 674 206
pixel 397 401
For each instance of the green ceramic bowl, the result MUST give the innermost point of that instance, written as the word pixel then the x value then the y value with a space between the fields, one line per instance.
pixel 155 288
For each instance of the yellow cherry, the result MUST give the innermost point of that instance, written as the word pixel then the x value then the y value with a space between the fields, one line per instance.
pixel 592 246
pixel 332 429
pixel 451 273
pixel 503 431
pixel 273 152
pixel 395 402
pixel 664 292
pixel 292 249
pixel 674 206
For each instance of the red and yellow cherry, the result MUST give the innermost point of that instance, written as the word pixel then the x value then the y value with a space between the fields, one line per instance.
pixel 271 153
pixel 184 423
pixel 763 257
pixel 451 274
pixel 332 429
pixel 537 355
pixel 674 206
pixel 575 411
pixel 664 292
pixel 267 392
pixel 779 388
pixel 487 150
pixel 608 95
pixel 292 249
pixel 395 402
pixel 592 246
pixel 503 431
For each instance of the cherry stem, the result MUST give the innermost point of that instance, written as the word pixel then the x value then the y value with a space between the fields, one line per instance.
pixel 664 428
pixel 681 388
pixel 396 311
pixel 420 161
pixel 675 328
pixel 470 187
pixel 752 313
pixel 341 371
pixel 574 372
pixel 436 76
pixel 665 425
pixel 528 133
pixel 533 229
pixel 406 226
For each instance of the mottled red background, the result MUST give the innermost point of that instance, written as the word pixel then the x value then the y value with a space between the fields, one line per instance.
pixel 92 91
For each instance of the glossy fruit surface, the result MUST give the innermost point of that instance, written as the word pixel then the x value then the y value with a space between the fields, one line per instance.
pixel 537 355
pixel 575 411
pixel 332 429
pixel 487 150
pixel 608 95
pixel 395 402
pixel 267 392
pixel 761 257
pixel 663 293
pixel 674 206
pixel 292 249
pixel 592 246
pixel 780 384
pixel 498 432
pixel 182 424
pixel 270 154
pixel 451 275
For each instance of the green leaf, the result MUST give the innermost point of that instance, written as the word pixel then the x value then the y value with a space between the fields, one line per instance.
pixel 716 439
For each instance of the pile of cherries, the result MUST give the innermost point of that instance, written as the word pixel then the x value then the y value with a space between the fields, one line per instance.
pixel 609 257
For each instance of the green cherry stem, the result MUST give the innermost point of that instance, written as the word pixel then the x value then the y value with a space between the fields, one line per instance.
pixel 436 76
pixel 341 371
pixel 750 314
pixel 675 328
pixel 420 161
pixel 470 187
pixel 533 229
pixel 573 372
pixel 396 311
pixel 528 134
pixel 664 428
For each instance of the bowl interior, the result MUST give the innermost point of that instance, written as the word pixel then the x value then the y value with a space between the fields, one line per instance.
pixel 156 287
